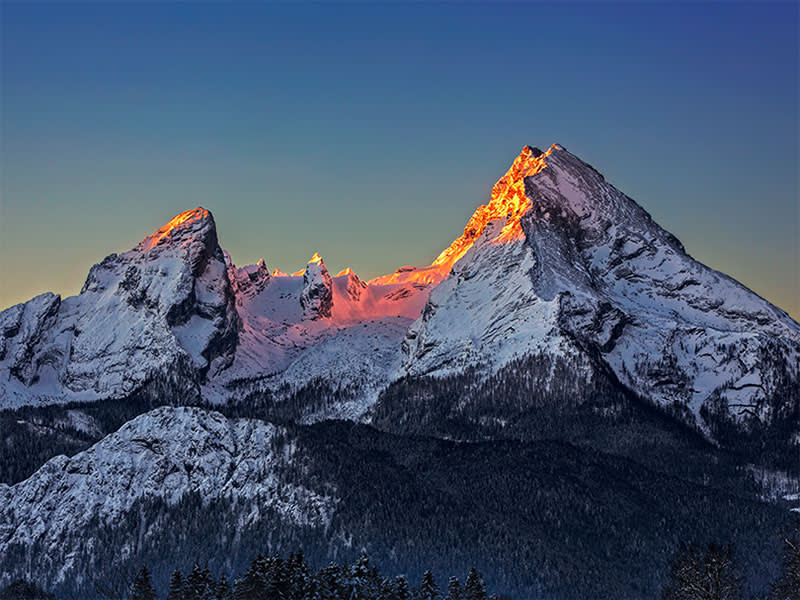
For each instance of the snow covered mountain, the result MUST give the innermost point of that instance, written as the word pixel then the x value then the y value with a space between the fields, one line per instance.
pixel 176 316
pixel 164 455
pixel 562 264
pixel 561 301
pixel 163 311
pixel 559 263
pixel 313 327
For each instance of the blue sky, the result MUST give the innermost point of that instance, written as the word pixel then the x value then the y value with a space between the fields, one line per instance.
pixel 370 133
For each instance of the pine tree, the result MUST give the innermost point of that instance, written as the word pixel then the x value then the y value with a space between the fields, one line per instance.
pixel 175 586
pixel 399 589
pixel 198 585
pixel 704 574
pixel 240 591
pixel 24 590
pixel 142 588
pixel 787 587
pixel 223 589
pixel 298 575
pixel 362 580
pixel 454 591
pixel 330 583
pixel 253 584
pixel 474 588
pixel 427 590
pixel 275 579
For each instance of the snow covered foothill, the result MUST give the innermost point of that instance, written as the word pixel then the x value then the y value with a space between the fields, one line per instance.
pixel 165 454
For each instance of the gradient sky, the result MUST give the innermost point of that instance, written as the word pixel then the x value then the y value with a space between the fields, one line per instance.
pixel 370 133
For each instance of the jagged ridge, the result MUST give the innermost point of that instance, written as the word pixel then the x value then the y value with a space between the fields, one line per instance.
pixel 558 262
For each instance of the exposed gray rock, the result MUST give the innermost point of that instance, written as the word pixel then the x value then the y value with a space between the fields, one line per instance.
pixel 317 296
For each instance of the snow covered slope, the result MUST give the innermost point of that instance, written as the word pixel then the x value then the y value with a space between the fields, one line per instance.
pixel 166 455
pixel 162 311
pixel 176 316
pixel 312 326
pixel 560 262
pixel 178 485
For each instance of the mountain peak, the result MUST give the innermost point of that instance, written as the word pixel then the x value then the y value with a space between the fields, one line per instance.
pixel 530 161
pixel 508 201
pixel 316 259
pixel 191 234
pixel 195 224
pixel 317 296
pixel 531 151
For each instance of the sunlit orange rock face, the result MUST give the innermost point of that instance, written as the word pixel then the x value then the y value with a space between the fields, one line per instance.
pixel 507 201
pixel 180 226
pixel 191 235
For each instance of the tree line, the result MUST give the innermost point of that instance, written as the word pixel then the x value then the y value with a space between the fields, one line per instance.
pixel 698 572
pixel 292 579
pixel 274 578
